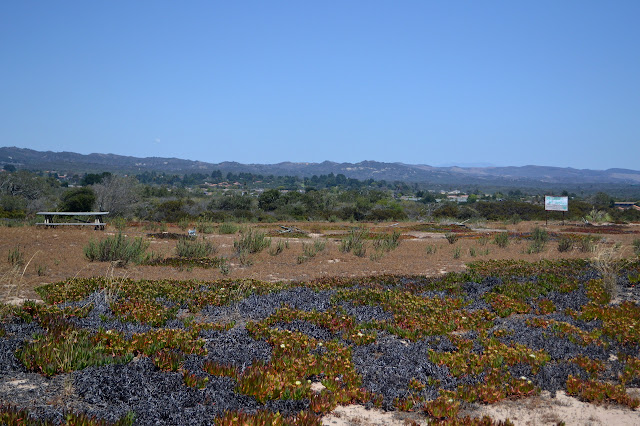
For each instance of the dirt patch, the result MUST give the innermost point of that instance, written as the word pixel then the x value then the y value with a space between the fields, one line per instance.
pixel 358 415
pixel 56 254
pixel 545 410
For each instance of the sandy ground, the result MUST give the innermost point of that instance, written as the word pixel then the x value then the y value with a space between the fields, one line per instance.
pixel 536 411
pixel 52 255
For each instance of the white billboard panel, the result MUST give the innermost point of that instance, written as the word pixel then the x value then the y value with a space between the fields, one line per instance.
pixel 558 204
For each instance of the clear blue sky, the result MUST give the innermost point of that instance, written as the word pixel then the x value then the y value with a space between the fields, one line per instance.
pixel 422 82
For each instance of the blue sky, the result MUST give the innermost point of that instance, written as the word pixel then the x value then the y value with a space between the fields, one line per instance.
pixel 423 82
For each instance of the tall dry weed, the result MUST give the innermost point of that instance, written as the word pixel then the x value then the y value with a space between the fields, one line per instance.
pixel 13 279
pixel 606 260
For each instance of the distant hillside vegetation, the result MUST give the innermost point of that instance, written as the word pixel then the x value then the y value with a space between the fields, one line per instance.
pixel 526 176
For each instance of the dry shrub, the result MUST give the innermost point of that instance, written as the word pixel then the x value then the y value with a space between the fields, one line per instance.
pixel 607 262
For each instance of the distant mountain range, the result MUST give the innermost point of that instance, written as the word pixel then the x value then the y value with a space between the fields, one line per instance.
pixel 70 162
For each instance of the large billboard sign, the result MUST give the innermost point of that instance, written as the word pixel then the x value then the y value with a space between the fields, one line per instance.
pixel 558 204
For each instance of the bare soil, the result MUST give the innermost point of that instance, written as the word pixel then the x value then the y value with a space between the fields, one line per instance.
pixel 55 254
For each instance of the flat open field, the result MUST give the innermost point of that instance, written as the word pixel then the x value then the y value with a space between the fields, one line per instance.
pixel 58 253
pixel 431 330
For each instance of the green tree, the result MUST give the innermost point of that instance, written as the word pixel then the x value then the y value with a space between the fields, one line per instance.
pixel 93 178
pixel 268 200
pixel 601 200
pixel 77 200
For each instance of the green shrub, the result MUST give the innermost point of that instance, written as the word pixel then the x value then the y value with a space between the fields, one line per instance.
pixel 514 219
pixel 385 244
pixel 41 270
pixel 391 241
pixel 501 239
pixel 279 248
pixel 587 244
pixel 536 246
pixel 431 249
pixel 119 223
pixel 15 257
pixel 151 226
pixel 355 242
pixel 310 250
pixel 227 228
pixel 77 200
pixel 118 248
pixel 223 266
pixel 636 246
pixel 451 237
pixel 183 223
pixel 456 253
pixel 539 239
pixel 205 227
pixel 194 248
pixel 251 242
pixel 539 235
pixel 360 250
pixel 598 216
pixel 565 244
pixel 54 353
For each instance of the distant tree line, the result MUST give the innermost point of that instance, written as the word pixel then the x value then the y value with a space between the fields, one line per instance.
pixel 254 197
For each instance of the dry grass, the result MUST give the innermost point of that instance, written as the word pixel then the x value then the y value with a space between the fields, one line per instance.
pixel 13 279
pixel 425 253
pixel 607 262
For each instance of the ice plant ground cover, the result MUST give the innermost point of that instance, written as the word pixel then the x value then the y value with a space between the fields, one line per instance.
pixel 251 352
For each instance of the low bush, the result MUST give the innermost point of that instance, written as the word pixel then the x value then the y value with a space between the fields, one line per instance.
pixel 279 248
pixel 501 239
pixel 251 242
pixel 606 263
pixel 536 246
pixel 598 216
pixel 227 228
pixel 456 253
pixel 194 249
pixel 539 235
pixel 118 248
pixel 565 244
pixel 205 227
pixel 119 223
pixel 15 257
pixel 183 223
pixel 587 244
pixel 451 237
pixel 385 244
pixel 355 242
pixel 310 250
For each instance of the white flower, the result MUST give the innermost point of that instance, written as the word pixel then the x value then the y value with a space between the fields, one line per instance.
pixel 320 344
pixel 298 382
pixel 360 334
pixel 523 378
pixel 532 355
pixel 282 345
